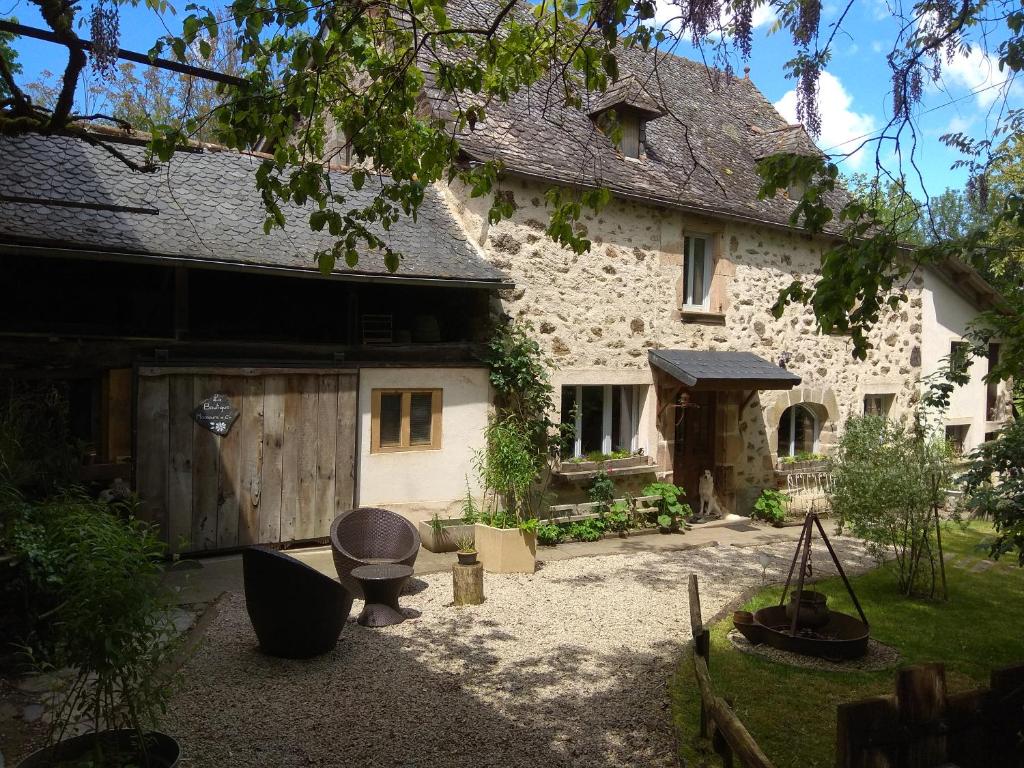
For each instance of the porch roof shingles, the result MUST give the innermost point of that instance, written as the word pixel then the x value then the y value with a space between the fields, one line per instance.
pixel 699 369
pixel 62 192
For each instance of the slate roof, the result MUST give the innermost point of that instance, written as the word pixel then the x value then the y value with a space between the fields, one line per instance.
pixel 63 192
pixel 720 370
pixel 700 155
pixel 627 90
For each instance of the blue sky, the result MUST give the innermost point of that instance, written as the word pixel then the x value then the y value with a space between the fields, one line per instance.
pixel 854 93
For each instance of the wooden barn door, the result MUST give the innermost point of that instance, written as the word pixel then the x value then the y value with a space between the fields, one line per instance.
pixel 282 472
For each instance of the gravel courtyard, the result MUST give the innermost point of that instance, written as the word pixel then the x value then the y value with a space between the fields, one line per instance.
pixel 567 667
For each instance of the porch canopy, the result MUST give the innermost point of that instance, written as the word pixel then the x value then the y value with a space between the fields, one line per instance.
pixel 703 370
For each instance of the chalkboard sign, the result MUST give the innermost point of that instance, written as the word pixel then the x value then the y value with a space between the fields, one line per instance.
pixel 216 413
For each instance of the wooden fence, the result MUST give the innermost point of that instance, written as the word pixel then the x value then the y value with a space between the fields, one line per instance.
pixel 923 726
pixel 729 738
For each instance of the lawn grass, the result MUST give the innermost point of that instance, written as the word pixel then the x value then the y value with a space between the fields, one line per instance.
pixel 791 712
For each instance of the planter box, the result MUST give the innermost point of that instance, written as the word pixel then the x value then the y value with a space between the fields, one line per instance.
pixel 799 467
pixel 453 530
pixel 587 470
pixel 506 550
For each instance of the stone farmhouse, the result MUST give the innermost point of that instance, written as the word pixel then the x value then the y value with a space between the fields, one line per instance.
pixel 144 296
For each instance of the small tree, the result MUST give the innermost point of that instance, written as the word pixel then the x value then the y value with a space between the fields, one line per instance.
pixel 888 485
pixel 995 487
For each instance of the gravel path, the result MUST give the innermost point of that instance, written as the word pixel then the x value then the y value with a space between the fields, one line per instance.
pixel 567 667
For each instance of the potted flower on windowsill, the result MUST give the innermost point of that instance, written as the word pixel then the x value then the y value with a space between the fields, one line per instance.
pixel 109 626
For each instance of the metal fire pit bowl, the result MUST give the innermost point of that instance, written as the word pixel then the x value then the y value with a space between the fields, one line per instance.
pixel 805 630
pixel 842 637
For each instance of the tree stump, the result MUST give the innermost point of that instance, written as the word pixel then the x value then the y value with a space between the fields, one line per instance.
pixel 468 582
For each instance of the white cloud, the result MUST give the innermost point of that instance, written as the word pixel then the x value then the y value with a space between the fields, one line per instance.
pixel 880 10
pixel 975 71
pixel 876 46
pixel 840 124
pixel 958 124
pixel 668 14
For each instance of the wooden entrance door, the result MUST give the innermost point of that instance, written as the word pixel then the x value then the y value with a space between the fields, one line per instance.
pixel 695 442
pixel 282 472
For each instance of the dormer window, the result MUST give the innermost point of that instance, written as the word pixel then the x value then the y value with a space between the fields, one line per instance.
pixel 632 130
pixel 629 107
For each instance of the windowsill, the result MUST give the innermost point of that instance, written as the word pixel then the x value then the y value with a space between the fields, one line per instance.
pixel 404 449
pixel 702 317
pixel 567 472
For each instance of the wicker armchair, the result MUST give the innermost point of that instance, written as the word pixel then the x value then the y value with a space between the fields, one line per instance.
pixel 297 611
pixel 367 535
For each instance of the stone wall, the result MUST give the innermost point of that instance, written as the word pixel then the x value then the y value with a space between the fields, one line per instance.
pixel 601 311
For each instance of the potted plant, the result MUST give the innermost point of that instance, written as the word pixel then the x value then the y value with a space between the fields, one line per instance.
pixel 466 551
pixel 440 534
pixel 110 626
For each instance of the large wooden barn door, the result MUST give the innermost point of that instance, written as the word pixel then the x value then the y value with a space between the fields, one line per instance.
pixel 281 473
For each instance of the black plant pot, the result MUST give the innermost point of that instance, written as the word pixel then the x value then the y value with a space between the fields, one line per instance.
pixel 161 750
pixel 466 558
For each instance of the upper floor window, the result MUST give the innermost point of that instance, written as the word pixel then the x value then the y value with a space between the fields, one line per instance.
pixel 632 130
pixel 959 356
pixel 697 271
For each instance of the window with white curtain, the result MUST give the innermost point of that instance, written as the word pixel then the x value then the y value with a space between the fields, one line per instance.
pixel 697 271
pixel 605 417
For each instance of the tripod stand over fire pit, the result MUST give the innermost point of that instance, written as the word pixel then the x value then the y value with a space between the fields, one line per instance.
pixel 805 624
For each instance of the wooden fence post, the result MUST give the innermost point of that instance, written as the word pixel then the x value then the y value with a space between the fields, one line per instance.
pixel 701 643
pixel 1006 710
pixel 921 698
pixel 860 727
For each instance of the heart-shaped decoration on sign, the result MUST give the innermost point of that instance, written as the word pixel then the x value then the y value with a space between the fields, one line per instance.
pixel 216 413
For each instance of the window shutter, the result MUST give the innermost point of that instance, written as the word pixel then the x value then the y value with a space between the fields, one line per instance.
pixel 391 418
pixel 420 418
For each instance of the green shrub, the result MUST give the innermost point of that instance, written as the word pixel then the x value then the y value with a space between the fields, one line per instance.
pixel 770 506
pixel 668 505
pixel 1002 501
pixel 601 492
pixel 98 574
pixel 550 534
pixel 470 511
pixel 617 518
pixel 586 530
pixel 887 483
pixel 507 467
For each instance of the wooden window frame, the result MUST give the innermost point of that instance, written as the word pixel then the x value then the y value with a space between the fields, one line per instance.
pixel 688 270
pixel 436 403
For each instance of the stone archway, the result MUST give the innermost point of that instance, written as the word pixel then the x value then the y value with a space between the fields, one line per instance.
pixel 820 400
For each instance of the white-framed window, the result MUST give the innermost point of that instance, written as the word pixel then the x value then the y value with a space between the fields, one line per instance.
pixel 798 431
pixel 877 405
pixel 605 417
pixel 697 270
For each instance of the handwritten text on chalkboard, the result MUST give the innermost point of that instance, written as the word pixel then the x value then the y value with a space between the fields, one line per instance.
pixel 216 413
